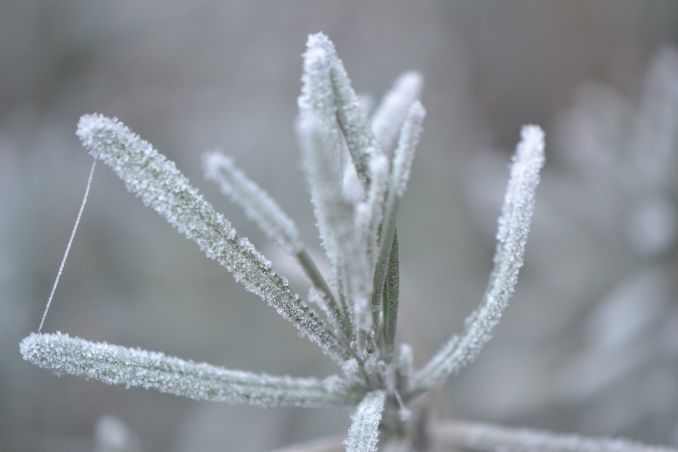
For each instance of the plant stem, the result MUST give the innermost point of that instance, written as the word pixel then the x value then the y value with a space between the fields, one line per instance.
pixel 317 279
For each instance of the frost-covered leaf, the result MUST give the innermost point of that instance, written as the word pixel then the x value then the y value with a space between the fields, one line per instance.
pixel 350 114
pixel 157 182
pixel 489 438
pixel 391 113
pixel 514 226
pixel 258 205
pixel 407 147
pixel 363 435
pixel 366 223
pixel 370 213
pixel 402 164
pixel 132 367
pixel 317 128
pixel 348 256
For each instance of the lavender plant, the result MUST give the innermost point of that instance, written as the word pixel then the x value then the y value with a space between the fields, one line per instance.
pixel 357 172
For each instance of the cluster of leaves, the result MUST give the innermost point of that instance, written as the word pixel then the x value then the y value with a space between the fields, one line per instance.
pixel 357 171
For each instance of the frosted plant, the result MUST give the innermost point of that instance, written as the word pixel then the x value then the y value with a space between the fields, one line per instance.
pixel 357 172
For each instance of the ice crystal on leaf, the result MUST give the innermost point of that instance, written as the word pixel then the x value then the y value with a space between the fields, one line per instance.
pixel 356 182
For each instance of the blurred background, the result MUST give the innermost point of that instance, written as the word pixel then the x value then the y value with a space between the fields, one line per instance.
pixel 590 342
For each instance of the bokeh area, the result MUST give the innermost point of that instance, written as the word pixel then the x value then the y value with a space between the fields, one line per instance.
pixel 590 341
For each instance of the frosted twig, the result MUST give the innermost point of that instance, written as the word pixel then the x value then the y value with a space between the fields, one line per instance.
pixel 157 182
pixel 514 225
pixel 363 435
pixel 132 367
pixel 485 437
pixel 389 117
pixel 68 246
pixel 257 204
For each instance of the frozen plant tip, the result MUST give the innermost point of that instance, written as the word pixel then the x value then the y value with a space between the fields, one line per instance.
pixel 389 117
pixel 356 182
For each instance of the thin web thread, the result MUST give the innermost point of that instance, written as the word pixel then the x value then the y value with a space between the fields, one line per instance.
pixel 68 246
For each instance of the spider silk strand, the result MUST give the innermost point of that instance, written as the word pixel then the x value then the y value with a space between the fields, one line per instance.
pixel 68 246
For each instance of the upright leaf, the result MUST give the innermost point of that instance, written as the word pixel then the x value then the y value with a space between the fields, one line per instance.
pixel 514 226
pixel 388 119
